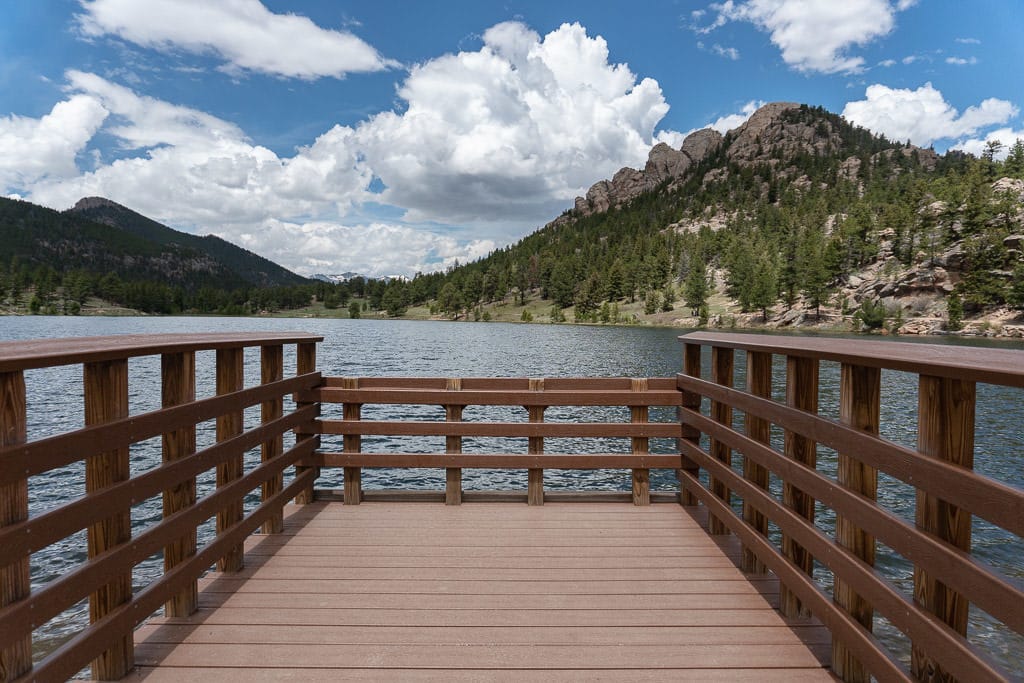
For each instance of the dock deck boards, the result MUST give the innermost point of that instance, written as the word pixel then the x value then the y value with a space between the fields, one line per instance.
pixel 496 591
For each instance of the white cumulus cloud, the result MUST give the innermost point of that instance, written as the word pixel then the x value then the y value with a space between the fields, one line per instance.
pixel 191 168
pixel 375 249
pixel 244 33
pixel 489 143
pixel 923 115
pixel 517 128
pixel 814 35
pixel 976 146
pixel 32 149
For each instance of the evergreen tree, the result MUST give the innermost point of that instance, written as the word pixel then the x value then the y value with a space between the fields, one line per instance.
pixel 696 287
pixel 1015 297
pixel 668 298
pixel 955 311
pixel 1014 164
pixel 651 302
pixel 764 287
pixel 812 269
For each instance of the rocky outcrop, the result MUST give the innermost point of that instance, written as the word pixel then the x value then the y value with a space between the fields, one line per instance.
pixel 700 144
pixel 663 164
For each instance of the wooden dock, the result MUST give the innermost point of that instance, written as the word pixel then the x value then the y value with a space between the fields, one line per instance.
pixel 496 591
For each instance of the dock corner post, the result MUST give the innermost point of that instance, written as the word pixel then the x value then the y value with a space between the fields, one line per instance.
pixel 178 386
pixel 535 476
pixel 230 378
pixel 353 443
pixel 16 657
pixel 639 446
pixel 759 383
pixel 859 408
pixel 272 370
pixel 690 401
pixel 945 431
pixel 106 399
pixel 305 363
pixel 721 373
pixel 453 444
pixel 802 394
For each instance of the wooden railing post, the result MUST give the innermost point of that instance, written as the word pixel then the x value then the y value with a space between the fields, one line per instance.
pixel 945 430
pixel 721 373
pixel 691 401
pixel 16 657
pixel 535 476
pixel 353 443
pixel 272 370
pixel 801 393
pixel 178 386
pixel 230 378
pixel 305 363
pixel 106 399
pixel 453 444
pixel 859 407
pixel 639 444
pixel 759 383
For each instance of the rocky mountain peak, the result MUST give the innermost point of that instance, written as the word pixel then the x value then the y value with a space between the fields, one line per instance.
pixel 87 203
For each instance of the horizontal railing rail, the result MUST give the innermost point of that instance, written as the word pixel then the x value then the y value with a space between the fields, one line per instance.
pixel 741 497
pixel 637 395
pixel 115 483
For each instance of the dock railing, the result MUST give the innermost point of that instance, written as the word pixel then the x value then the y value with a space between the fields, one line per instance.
pixel 743 494
pixel 110 491
pixel 776 498
pixel 534 396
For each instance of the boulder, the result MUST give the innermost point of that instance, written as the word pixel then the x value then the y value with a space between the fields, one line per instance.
pixel 1013 241
pixel 665 163
pixel 699 144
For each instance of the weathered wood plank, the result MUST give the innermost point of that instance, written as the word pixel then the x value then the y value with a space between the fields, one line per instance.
pixel 535 446
pixel 512 657
pixel 178 386
pixel 802 394
pixel 191 673
pixel 353 475
pixel 272 370
pixel 106 398
pixel 639 444
pixel 859 407
pixel 305 363
pixel 945 431
pixel 15 657
pixel 759 383
pixel 230 378
pixel 453 444
pixel 721 373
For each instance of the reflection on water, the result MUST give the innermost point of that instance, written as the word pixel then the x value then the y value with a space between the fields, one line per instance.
pixel 417 348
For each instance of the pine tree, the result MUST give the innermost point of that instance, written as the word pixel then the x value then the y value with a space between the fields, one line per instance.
pixel 764 288
pixel 695 287
pixel 1014 164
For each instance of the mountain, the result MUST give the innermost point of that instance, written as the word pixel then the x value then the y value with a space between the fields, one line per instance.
pixel 100 236
pixel 197 254
pixel 794 217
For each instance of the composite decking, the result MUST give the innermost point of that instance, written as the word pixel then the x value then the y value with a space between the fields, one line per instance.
pixel 384 591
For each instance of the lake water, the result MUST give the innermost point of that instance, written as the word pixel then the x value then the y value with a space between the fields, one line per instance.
pixel 422 348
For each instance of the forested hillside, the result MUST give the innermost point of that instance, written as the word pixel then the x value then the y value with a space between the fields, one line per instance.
pixel 52 262
pixel 792 217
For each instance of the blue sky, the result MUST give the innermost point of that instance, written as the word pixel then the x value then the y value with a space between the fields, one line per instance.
pixel 391 137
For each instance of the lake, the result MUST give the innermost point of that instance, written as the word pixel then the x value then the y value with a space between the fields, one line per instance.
pixel 427 348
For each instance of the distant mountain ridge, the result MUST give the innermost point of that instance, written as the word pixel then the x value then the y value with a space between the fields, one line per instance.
pixel 101 236
pixel 251 268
